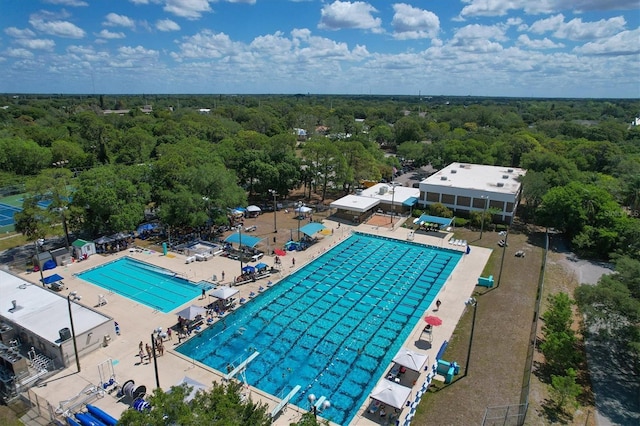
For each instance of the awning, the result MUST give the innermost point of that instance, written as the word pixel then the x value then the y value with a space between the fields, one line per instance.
pixel 103 240
pixel 312 228
pixel 411 201
pixel 247 240
pixel 443 222
pixel 391 393
pixel 224 292
pixel 410 359
pixel 52 279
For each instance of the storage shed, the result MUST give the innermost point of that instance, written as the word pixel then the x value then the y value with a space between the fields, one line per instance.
pixel 61 256
pixel 83 249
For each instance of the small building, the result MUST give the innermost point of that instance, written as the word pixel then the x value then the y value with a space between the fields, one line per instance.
pixel 379 197
pixel 61 256
pixel 83 249
pixel 464 188
pixel 41 259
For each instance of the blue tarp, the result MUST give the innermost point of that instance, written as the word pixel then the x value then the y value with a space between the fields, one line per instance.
pixel 52 279
pixel 147 227
pixel 312 228
pixel 411 201
pixel 247 240
pixel 442 221
pixel 49 264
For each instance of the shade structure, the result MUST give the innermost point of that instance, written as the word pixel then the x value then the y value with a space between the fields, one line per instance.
pixel 303 209
pixel 247 240
pixel 391 393
pixel 103 240
pixel 52 278
pixel 147 227
pixel 261 265
pixel 312 228
pixel 248 269
pixel 410 359
pixel 433 320
pixel 253 209
pixel 191 312
pixel 224 292
pixel 194 385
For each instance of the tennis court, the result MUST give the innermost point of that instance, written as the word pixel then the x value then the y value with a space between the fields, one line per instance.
pixel 6 214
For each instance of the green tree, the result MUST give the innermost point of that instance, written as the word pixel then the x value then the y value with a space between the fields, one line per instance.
pixel 565 389
pixel 558 317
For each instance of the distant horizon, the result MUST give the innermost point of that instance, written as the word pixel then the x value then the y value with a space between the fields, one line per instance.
pixel 565 49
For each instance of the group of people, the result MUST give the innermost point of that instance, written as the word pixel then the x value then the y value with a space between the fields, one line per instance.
pixel 142 348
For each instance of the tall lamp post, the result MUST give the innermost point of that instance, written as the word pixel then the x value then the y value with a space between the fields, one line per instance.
pixel 39 242
pixel 73 296
pixel 472 301
pixel 240 246
pixel 60 164
pixel 299 205
pixel 275 210
pixel 484 213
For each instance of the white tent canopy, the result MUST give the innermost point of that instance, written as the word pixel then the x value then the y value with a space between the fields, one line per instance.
pixel 303 209
pixel 224 292
pixel 192 312
pixel 391 393
pixel 253 209
pixel 410 359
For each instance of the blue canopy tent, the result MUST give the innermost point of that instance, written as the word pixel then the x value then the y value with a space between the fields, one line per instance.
pixel 49 264
pixel 147 227
pixel 261 266
pixel 312 228
pixel 52 279
pixel 442 222
pixel 248 269
pixel 247 240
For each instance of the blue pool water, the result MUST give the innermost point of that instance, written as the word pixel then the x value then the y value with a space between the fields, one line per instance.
pixel 333 326
pixel 148 284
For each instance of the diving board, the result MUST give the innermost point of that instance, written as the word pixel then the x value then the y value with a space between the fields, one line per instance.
pixel 240 367
pixel 285 401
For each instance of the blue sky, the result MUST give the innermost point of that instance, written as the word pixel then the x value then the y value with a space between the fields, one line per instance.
pixel 533 48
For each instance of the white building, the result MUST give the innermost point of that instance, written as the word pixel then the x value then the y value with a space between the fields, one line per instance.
pixel 464 188
pixel 380 197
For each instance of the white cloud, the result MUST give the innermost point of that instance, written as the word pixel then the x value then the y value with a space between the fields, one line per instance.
pixel 19 33
pixel 72 3
pixel 344 14
pixel 623 43
pixel 167 25
pixel 189 9
pixel 412 23
pixel 115 20
pixel 106 34
pixel 578 30
pixel 534 7
pixel 35 43
pixel 207 44
pixel 478 38
pixel 545 43
pixel 57 28
pixel 19 53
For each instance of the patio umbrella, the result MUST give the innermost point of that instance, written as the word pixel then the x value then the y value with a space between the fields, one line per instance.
pixel 280 252
pixel 253 208
pixel 433 320
pixel 192 312
pixel 326 231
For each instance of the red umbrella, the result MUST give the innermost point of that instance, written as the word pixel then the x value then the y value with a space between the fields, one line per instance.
pixel 433 320
pixel 280 252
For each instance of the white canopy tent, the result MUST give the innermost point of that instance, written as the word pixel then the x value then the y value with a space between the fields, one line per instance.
pixel 303 209
pixel 412 360
pixel 391 393
pixel 224 292
pixel 192 312
pixel 253 209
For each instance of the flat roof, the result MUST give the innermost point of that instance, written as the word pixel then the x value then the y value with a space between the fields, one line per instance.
pixel 478 177
pixel 356 203
pixel 396 194
pixel 41 311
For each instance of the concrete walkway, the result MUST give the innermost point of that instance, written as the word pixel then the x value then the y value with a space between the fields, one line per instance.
pixel 138 321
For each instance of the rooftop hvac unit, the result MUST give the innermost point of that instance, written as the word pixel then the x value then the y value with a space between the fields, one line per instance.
pixel 65 334
pixel 510 170
pixel 443 178
pixel 500 184
pixel 454 171
pixel 505 176
pixel 462 166
pixel 358 191
pixel 383 189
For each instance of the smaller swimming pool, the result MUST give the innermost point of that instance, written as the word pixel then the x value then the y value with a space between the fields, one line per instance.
pixel 144 283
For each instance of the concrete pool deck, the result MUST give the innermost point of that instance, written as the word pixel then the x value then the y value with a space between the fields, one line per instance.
pixel 138 321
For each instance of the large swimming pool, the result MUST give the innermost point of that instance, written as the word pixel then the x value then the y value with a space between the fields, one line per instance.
pixel 148 284
pixel 333 326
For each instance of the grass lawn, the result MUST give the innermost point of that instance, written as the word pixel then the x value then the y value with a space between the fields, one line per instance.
pixel 500 339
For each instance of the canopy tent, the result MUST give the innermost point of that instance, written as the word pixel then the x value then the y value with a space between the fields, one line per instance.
pixel 443 222
pixel 103 240
pixel 49 264
pixel 240 209
pixel 412 360
pixel 147 227
pixel 194 385
pixel 391 393
pixel 253 209
pixel 246 240
pixel 120 236
pixel 192 312
pixel 51 279
pixel 224 292
pixel 261 266
pixel 248 269
pixel 303 209
pixel 312 228
pixel 410 202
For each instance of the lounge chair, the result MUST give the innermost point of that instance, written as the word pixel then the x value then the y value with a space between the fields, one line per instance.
pixel 242 300
pixel 261 289
pixel 252 294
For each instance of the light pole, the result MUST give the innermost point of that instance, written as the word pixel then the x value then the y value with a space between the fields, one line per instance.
pixel 275 209
pixel 472 301
pixel 39 242
pixel 323 402
pixel 155 359
pixel 240 246
pixel 299 205
pixel 393 196
pixel 504 249
pixel 484 213
pixel 73 296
